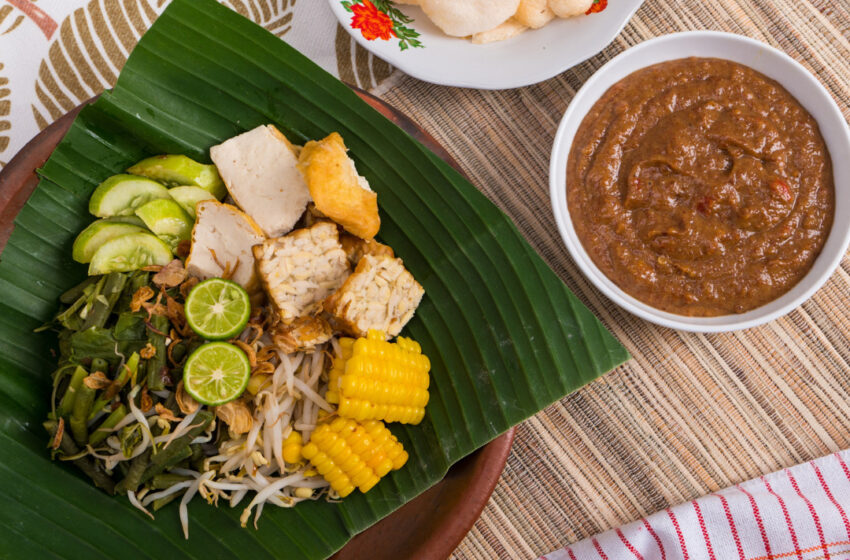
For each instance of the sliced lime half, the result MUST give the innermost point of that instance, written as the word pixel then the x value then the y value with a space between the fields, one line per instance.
pixel 216 373
pixel 218 309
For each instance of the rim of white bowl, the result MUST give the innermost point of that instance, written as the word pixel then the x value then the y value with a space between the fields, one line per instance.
pixel 839 235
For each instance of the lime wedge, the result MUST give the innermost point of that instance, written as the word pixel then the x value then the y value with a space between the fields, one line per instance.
pixel 188 197
pixel 181 170
pixel 217 309
pixel 90 239
pixel 167 220
pixel 131 251
pixel 121 194
pixel 216 373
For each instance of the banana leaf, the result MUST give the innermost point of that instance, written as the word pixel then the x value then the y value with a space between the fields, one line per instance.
pixel 505 336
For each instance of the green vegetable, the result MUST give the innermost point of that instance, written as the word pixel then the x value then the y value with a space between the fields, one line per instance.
pixel 67 403
pixel 167 480
pixel 179 449
pixel 105 428
pixel 98 233
pixel 80 414
pixel 73 317
pixel 189 197
pixel 89 467
pixel 74 293
pixel 105 301
pixel 99 342
pixel 130 252
pixel 99 364
pixel 155 364
pixel 125 374
pixel 120 195
pixel 132 220
pixel 134 475
pixel 138 279
pixel 130 326
pixel 162 502
pixel 181 170
pixel 167 220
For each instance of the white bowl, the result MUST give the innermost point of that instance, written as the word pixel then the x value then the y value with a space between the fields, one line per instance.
pixel 531 57
pixel 767 60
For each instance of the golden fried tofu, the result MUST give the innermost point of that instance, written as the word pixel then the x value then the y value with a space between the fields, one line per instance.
pixel 381 294
pixel 304 334
pixel 355 248
pixel 336 188
pixel 302 268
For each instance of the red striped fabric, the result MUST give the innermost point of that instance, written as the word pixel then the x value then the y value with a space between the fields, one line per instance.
pixel 759 522
pixel 656 538
pixel 628 545
pixel 683 546
pixel 799 513
pixel 832 499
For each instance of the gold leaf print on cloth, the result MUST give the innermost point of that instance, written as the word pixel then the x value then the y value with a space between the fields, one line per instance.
pixel 26 9
pixel 5 110
pixel 94 42
pixel 356 65
pixel 10 19
pixel 92 46
pixel 274 15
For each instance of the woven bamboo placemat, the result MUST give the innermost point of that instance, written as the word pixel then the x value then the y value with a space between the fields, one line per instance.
pixel 690 413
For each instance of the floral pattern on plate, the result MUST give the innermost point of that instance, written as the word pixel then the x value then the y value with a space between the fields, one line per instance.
pixel 382 20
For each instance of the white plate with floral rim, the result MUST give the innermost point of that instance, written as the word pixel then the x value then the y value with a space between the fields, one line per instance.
pixel 403 36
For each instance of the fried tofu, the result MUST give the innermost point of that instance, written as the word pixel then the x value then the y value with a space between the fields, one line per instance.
pixel 338 191
pixel 355 248
pixel 222 239
pixel 301 269
pixel 260 170
pixel 304 334
pixel 381 294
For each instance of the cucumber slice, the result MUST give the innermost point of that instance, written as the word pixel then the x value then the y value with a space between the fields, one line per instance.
pixel 98 233
pixel 167 220
pixel 188 197
pixel 120 195
pixel 129 252
pixel 181 170
pixel 135 220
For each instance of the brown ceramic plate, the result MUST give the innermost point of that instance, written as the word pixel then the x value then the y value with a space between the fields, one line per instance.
pixel 429 527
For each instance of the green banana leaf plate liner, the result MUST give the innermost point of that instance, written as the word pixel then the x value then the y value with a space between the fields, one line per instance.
pixel 505 336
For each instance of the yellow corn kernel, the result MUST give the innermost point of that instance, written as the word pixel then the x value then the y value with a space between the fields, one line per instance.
pixel 257 383
pixel 349 454
pixel 292 447
pixel 379 380
pixel 304 493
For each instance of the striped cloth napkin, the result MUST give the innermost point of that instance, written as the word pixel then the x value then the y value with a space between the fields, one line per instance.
pixel 797 513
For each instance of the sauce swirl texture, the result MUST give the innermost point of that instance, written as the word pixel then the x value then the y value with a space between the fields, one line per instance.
pixel 701 187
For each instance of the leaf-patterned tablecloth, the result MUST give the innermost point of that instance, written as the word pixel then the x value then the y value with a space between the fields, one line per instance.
pixel 55 54
pixel 690 414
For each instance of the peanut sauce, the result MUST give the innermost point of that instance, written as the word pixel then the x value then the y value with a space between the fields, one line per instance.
pixel 701 187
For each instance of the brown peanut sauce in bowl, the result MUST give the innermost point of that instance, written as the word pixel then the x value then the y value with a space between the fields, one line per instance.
pixel 701 187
